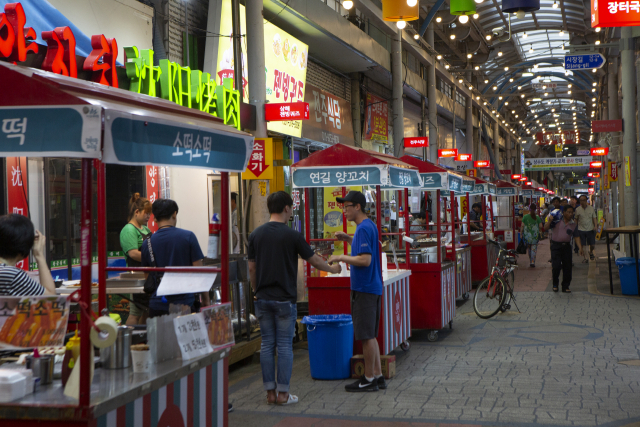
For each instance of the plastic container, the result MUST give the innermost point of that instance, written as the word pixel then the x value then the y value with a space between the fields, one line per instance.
pixel 13 385
pixel 330 345
pixel 118 355
pixel 628 277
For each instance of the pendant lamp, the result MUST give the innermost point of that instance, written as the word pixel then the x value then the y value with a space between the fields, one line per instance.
pixel 399 10
pixel 462 7
pixel 514 6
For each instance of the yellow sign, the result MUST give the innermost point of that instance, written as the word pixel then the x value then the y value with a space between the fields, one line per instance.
pixel 333 217
pixel 260 164
pixel 285 65
pixel 627 172
pixel 559 148
pixel 600 228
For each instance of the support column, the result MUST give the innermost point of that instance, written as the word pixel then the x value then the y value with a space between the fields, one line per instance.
pixel 423 124
pixel 496 144
pixel 355 108
pixel 468 115
pixel 454 143
pixel 257 94
pixel 398 110
pixel 629 151
pixel 507 145
pixel 433 105
pixel 617 193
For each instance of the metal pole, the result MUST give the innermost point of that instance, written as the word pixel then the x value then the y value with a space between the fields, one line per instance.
pixel 256 73
pixel 186 31
pixel 468 115
pixel 629 142
pixel 433 105
pixel 237 45
pixel 225 218
pixel 396 77
pixel 423 124
pixel 86 348
pixel 617 196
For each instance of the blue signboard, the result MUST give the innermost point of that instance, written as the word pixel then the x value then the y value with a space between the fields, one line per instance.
pixel 404 178
pixel 506 191
pixel 61 131
pixel 336 176
pixel 583 62
pixel 468 185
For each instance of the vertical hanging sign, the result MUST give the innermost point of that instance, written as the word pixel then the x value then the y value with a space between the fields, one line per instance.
pixel 627 172
pixel 153 190
pixel 17 202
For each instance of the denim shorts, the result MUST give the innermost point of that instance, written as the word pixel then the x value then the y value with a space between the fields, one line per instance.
pixel 365 312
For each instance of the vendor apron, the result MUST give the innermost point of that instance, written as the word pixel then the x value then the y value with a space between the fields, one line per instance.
pixel 140 300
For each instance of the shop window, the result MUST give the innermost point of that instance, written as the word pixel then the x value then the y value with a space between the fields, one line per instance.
pixel 461 99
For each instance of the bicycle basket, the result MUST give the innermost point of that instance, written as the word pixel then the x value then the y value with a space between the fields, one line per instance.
pixel 501 261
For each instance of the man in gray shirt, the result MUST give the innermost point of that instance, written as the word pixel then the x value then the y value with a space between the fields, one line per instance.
pixel 587 222
pixel 562 229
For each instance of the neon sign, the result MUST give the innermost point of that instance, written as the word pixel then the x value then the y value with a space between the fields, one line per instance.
pixel 19 40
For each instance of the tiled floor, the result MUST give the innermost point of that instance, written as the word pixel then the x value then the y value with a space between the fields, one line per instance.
pixel 557 362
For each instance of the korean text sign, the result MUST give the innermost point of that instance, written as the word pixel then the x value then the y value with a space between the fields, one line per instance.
pixel 261 161
pixel 192 335
pixel 377 119
pixel 330 120
pixel 285 65
pixel 608 13
pixel 33 321
pixel 17 192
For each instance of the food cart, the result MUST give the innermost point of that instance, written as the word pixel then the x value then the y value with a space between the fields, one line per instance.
pixel 102 124
pixel 337 167
pixel 505 213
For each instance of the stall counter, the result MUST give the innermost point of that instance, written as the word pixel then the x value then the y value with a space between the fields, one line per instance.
pixel 191 390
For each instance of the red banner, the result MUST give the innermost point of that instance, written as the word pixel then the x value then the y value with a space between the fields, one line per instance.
pixel 153 191
pixel 505 171
pixel 516 176
pixel 554 138
pixel 377 119
pixel 595 164
pixel 279 112
pixel 418 141
pixel 599 151
pixel 606 13
pixel 448 152
pixel 614 171
pixel 606 126
pixel 17 199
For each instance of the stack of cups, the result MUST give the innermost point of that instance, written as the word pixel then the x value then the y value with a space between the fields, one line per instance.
pixel 141 358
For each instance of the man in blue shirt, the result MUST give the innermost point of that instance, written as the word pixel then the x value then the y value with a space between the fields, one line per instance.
pixel 366 288
pixel 172 247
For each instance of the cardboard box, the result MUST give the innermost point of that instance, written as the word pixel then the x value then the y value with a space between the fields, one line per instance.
pixel 387 363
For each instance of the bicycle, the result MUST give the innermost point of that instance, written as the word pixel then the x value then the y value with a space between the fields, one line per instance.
pixel 495 293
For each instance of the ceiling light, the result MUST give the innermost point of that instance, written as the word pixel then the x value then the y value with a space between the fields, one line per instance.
pixel 524 35
pixel 561 32
pixel 438 19
pixel 544 87
pixel 470 87
pixel 416 36
pixel 452 36
pixel 513 111
pixel 488 37
pixel 555 4
pixel 476 16
pixel 486 81
pixel 469 55
pixel 347 4
pixel 439 57
pixel 531 49
pixel 506 103
pixel 553 110
pixel 598 30
pixel 495 88
pixel 500 53
pixel 546 93
pixel 511 80
pixel 535 65
pixel 477 67
pixel 522 96
pixel 412 3
pixel 446 66
pixel 401 24
pixel 463 19
pixel 477 97
pixel 460 80
pixel 597 42
pixel 484 103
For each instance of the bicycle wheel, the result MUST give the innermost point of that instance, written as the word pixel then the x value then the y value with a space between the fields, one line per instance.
pixel 488 300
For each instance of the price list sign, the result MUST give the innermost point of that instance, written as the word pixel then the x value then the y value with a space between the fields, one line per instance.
pixel 192 336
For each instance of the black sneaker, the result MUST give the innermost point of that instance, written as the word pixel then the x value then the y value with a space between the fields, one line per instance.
pixel 382 384
pixel 362 385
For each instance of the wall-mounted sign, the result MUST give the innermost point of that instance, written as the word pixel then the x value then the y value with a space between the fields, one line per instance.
pixel 463 158
pixel 606 13
pixel 482 164
pixel 153 192
pixel 285 65
pixel 599 151
pixel 523 179
pixel 448 152
pixel 544 85
pixel 583 153
pixel 592 183
pixel 17 191
pixel 261 161
pixel 584 62
pixel 591 190
pixel 556 163
pixel 593 174
pixel 471 172
pixel 564 137
pixel 287 111
pixel 595 164
pixel 376 119
pixel 516 176
pixel 330 120
pixel 606 126
pixel 528 182
pixel 416 141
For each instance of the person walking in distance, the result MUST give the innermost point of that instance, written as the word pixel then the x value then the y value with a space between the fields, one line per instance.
pixel 366 288
pixel 274 248
pixel 531 230
pixel 562 228
pixel 587 224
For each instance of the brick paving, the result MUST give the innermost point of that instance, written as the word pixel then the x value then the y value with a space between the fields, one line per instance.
pixel 556 363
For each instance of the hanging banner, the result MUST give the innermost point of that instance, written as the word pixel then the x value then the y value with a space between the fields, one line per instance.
pixel 339 176
pixel 285 65
pixel 17 193
pixel 416 142
pixel 598 126
pixel 153 191
pixel 613 171
pixel 556 163
pixel 377 119
pixel 330 120
pixel 27 322
pixel 333 217
pixel 434 181
pixel 261 161
pixel 627 172
pixel 564 137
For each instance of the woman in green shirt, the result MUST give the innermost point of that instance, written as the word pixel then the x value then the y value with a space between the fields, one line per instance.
pixel 132 237
pixel 530 231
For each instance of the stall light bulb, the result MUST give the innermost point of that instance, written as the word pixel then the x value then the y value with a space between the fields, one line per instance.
pixel 452 36
pixel 477 67
pixel 598 29
pixel 522 96
pixel 594 70
pixel 531 49
pixel 476 16
pixel 416 36
pixel 495 88
pixel 460 80
pixel 347 4
pixel 463 19
pixel 470 87
pixel 486 81
pixel 438 19
pixel 469 55
pixel 439 57
pixel 401 24
pixel 488 37
pixel 412 3
pixel 500 53
pixel 446 66
pixel 555 4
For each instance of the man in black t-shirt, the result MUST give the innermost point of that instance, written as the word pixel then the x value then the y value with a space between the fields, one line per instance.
pixel 273 266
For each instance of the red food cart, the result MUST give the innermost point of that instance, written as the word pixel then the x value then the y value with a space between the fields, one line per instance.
pixel 101 124
pixel 340 167
pixel 505 213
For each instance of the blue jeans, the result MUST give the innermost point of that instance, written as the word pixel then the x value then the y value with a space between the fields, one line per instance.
pixel 277 325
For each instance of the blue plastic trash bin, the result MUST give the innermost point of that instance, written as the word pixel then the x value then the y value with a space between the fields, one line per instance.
pixel 628 277
pixel 330 345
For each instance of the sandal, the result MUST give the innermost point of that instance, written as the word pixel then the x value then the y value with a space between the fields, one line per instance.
pixel 592 256
pixel 566 291
pixel 555 289
pixel 290 401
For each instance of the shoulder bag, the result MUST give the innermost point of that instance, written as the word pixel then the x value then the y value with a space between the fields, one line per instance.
pixel 153 279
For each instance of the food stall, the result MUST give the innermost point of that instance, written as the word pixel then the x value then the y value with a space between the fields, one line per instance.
pixel 342 168
pixel 103 124
pixel 505 213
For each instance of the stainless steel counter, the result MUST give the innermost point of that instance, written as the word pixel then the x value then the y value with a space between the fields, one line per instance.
pixel 110 390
